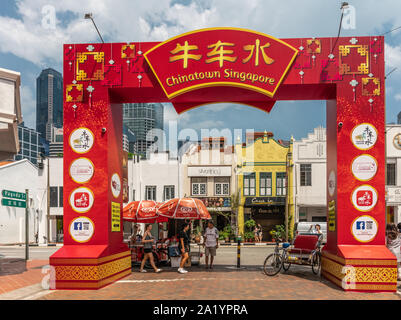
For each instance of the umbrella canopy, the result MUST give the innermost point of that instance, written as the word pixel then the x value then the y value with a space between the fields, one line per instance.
pixel 144 211
pixel 184 208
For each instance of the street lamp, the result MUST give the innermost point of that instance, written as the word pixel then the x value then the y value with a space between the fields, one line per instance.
pixel 90 16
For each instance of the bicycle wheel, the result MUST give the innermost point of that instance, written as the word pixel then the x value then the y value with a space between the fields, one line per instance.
pixel 316 262
pixel 273 264
pixel 286 264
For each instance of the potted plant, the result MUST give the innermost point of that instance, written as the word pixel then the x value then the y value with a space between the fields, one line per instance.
pixel 249 226
pixel 278 233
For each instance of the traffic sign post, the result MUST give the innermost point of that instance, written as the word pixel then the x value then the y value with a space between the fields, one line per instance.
pixel 14 195
pixel 13 203
pixel 26 225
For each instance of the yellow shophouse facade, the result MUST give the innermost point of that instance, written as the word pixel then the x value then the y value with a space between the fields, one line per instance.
pixel 264 166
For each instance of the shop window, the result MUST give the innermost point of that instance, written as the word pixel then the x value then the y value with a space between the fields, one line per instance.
pixel 306 174
pixel 265 184
pixel 53 197
pixel 169 193
pixel 60 192
pixel 390 174
pixel 198 186
pixel 281 184
pixel 249 184
pixel 150 193
pixel 222 186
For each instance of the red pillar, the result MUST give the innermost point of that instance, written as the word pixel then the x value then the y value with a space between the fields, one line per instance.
pixel 355 257
pixel 93 254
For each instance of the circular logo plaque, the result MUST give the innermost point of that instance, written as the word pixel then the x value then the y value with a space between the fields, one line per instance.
pixel 81 170
pixel 364 167
pixel 81 199
pixel 364 198
pixel 364 228
pixel 115 185
pixel 81 229
pixel 81 140
pixel 364 136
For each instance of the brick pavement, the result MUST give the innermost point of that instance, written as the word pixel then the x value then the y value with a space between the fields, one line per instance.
pixel 16 274
pixel 221 283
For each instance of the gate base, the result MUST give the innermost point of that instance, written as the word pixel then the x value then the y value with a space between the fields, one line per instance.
pixel 88 267
pixel 368 268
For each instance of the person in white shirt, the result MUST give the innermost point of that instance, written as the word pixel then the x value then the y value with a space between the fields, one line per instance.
pixel 211 243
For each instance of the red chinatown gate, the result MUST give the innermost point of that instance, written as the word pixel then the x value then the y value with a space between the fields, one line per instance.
pixel 230 65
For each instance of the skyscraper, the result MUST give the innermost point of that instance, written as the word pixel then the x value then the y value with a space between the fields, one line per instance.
pixel 49 102
pixel 140 118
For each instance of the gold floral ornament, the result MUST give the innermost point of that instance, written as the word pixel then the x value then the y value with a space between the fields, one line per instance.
pixel 74 93
pixel 365 84
pixel 254 50
pixel 313 46
pixel 363 52
pixel 185 56
pixel 128 51
pixel 219 54
pixel 97 70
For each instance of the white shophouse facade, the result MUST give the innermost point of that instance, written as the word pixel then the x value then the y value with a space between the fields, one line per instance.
pixel 393 173
pixel 310 177
pixel 18 176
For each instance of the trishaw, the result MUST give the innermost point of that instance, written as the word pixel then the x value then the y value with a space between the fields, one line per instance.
pixel 304 251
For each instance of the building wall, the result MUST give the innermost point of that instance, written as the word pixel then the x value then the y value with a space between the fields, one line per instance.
pixel 310 201
pixel 265 154
pixel 157 171
pixel 211 164
pixel 18 176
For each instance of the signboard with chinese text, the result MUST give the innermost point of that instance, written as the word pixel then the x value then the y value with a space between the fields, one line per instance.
pixel 221 57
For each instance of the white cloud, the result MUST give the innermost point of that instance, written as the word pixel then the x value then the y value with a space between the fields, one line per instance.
pixel 397 97
pixel 393 56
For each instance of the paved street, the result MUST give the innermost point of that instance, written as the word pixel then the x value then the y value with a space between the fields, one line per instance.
pixel 40 253
pixel 223 282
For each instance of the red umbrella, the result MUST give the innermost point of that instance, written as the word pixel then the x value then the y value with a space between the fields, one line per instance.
pixel 184 208
pixel 144 211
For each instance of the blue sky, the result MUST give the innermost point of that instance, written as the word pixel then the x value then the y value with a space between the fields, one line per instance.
pixel 27 45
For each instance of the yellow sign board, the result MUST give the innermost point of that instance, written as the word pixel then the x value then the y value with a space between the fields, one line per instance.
pixel 115 216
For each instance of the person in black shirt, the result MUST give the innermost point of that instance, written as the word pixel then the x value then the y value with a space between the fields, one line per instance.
pixel 183 246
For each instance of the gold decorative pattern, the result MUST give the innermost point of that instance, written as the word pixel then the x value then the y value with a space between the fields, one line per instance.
pixel 69 88
pixel 318 48
pixel 93 273
pixel 82 57
pixel 365 83
pixel 124 54
pixel 363 51
pixel 359 274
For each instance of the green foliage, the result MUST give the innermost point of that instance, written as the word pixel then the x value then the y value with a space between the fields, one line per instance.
pixel 278 232
pixel 226 233
pixel 250 224
pixel 249 235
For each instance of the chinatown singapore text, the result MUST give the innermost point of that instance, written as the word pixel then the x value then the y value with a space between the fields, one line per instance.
pixel 220 53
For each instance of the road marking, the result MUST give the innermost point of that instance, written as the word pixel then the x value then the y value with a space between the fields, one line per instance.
pixel 37 295
pixel 183 279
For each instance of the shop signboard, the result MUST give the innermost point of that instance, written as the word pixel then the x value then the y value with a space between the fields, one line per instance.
pixel 264 201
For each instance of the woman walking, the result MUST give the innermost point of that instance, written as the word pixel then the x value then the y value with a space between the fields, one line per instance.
pixel 183 246
pixel 147 241
pixel 394 244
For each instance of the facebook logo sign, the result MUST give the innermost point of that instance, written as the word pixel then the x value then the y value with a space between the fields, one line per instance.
pixel 360 225
pixel 77 225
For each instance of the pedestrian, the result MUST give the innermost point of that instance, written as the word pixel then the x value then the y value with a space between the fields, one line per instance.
pixel 399 227
pixel 183 246
pixel 260 232
pixel 393 239
pixel 211 243
pixel 147 241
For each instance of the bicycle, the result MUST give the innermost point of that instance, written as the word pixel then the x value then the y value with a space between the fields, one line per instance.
pixel 275 261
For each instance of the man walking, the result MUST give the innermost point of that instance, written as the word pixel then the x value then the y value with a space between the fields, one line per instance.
pixel 211 243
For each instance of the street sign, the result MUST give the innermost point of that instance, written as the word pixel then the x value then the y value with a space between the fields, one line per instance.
pixel 13 195
pixel 13 203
